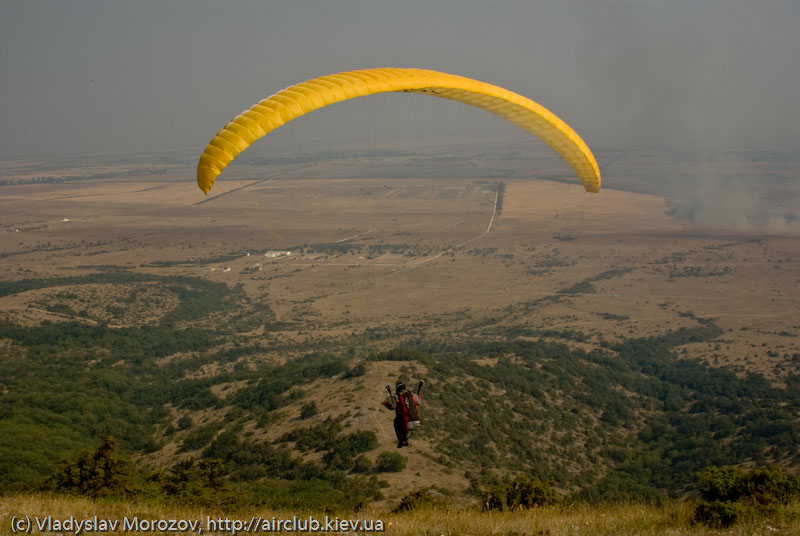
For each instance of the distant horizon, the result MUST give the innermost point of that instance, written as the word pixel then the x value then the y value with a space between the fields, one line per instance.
pixel 534 147
pixel 86 76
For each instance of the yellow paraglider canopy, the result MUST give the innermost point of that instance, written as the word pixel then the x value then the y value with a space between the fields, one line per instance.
pixel 308 96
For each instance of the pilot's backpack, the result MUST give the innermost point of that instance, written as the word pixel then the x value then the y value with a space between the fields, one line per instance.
pixel 414 420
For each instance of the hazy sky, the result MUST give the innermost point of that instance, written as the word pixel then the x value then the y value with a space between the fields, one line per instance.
pixel 97 76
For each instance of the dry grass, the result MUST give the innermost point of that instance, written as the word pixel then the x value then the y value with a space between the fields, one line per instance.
pixel 632 519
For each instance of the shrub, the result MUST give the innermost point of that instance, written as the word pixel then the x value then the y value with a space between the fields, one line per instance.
pixel 201 482
pixel 362 464
pixel 527 492
pixel 390 462
pixel 199 437
pixel 727 492
pixel 359 369
pixel 344 450
pixel 769 486
pixel 223 446
pixel 309 410
pixel 318 437
pixel 420 498
pixel 93 474
pixel 719 484
pixel 717 514
pixel 494 498
pixel 362 441
pixel 522 492
pixel 760 486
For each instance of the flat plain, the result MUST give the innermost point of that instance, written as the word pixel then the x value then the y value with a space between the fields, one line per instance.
pixel 417 251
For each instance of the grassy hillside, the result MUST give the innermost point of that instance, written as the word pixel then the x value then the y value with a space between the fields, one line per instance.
pixel 296 422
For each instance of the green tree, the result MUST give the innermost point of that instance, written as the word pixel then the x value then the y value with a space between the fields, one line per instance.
pixel 94 473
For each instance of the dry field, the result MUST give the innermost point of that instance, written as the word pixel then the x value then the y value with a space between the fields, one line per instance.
pixel 422 258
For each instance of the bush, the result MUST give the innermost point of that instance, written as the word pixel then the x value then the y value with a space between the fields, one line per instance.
pixel 362 464
pixel 522 492
pixel 195 483
pixel 93 474
pixel 223 446
pixel 420 498
pixel 761 486
pixel 362 441
pixel 494 498
pixel 344 450
pixel 199 437
pixel 185 422
pixel 318 437
pixel 528 492
pixel 719 484
pixel 727 492
pixel 390 462
pixel 359 369
pixel 717 514
pixel 308 410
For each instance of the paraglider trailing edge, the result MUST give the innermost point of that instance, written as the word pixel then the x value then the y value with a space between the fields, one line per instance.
pixel 300 99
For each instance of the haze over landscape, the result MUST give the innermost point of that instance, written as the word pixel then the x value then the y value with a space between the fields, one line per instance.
pixel 236 345
pixel 96 77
